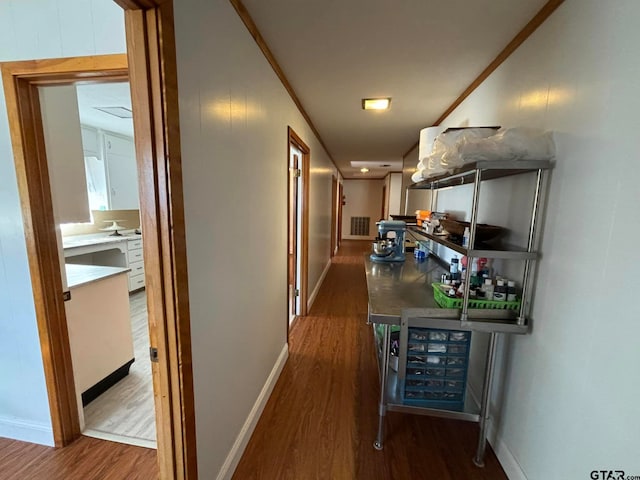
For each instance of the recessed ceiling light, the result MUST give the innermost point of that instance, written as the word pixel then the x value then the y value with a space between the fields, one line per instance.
pixel 376 103
pixel 364 170
pixel 120 112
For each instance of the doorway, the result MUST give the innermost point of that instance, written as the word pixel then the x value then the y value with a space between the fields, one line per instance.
pixel 340 207
pixel 113 377
pixel 334 215
pixel 295 159
pixel 298 157
pixel 152 76
pixel 96 271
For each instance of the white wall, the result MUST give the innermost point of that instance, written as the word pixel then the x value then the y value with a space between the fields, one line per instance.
pixel 234 114
pixel 394 192
pixel 29 30
pixel 569 393
pixel 415 199
pixel 363 198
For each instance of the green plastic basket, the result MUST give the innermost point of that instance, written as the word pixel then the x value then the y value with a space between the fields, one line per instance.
pixel 447 302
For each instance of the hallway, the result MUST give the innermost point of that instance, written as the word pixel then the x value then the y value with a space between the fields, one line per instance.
pixel 321 419
pixel 319 423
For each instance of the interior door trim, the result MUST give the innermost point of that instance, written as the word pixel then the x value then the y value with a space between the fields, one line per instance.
pixel 154 88
pixel 21 80
pixel 151 63
pixel 334 215
pixel 294 139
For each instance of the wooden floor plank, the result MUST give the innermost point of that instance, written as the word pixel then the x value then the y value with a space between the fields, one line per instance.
pixel 321 419
pixel 85 459
pixel 126 410
pixel 320 422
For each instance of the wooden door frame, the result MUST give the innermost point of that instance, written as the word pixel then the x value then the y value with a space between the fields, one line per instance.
pixel 334 215
pixel 293 209
pixel 294 139
pixel 340 205
pixel 151 70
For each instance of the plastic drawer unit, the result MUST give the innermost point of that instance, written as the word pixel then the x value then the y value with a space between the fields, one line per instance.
pixel 433 367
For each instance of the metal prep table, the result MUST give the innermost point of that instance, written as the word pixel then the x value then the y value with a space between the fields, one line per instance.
pixel 400 292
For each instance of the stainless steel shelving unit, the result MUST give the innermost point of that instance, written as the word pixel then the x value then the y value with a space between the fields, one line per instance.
pixel 475 173
pixel 401 294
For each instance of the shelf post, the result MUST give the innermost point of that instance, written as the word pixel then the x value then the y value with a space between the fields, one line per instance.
pixel 486 400
pixel 472 238
pixel 530 247
pixel 382 406
pixel 406 201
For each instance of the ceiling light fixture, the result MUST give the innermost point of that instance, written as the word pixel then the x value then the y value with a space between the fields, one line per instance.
pixel 376 103
pixel 120 112
pixel 364 170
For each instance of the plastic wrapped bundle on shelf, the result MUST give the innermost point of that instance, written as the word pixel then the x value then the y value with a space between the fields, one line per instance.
pixel 417 176
pixel 446 146
pixel 427 138
pixel 517 143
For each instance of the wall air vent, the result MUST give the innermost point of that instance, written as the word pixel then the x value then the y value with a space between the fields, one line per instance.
pixel 360 226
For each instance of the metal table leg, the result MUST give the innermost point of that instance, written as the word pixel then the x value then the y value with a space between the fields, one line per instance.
pixel 486 400
pixel 382 406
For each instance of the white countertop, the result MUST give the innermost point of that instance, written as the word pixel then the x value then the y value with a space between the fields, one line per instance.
pixel 97 238
pixel 78 275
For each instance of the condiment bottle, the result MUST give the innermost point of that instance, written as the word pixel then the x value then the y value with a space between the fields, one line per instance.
pixel 500 292
pixel 488 289
pixel 476 280
pixel 511 291
pixel 465 237
pixel 453 268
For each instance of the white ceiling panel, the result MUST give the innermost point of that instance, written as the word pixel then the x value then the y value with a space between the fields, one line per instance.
pixel 422 53
pixel 93 95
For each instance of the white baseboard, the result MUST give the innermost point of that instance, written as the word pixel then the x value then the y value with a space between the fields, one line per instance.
pixel 26 431
pixel 314 294
pixel 231 462
pixel 509 464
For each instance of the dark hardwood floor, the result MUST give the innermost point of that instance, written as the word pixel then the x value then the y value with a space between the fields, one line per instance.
pixel 319 423
pixel 85 459
pixel 321 420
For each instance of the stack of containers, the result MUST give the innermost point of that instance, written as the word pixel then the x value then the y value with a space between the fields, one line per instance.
pixel 425 146
pixel 435 373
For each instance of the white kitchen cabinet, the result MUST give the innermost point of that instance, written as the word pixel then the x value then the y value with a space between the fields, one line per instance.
pixel 122 174
pixel 108 251
pixel 135 260
pixel 98 320
pixel 94 167
pixel 90 142
pixel 65 159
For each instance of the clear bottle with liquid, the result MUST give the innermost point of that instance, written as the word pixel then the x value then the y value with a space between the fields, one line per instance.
pixel 488 288
pixel 511 291
pixel 465 237
pixel 454 268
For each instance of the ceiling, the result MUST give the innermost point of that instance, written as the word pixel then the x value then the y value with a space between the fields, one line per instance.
pixel 422 53
pixel 93 95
